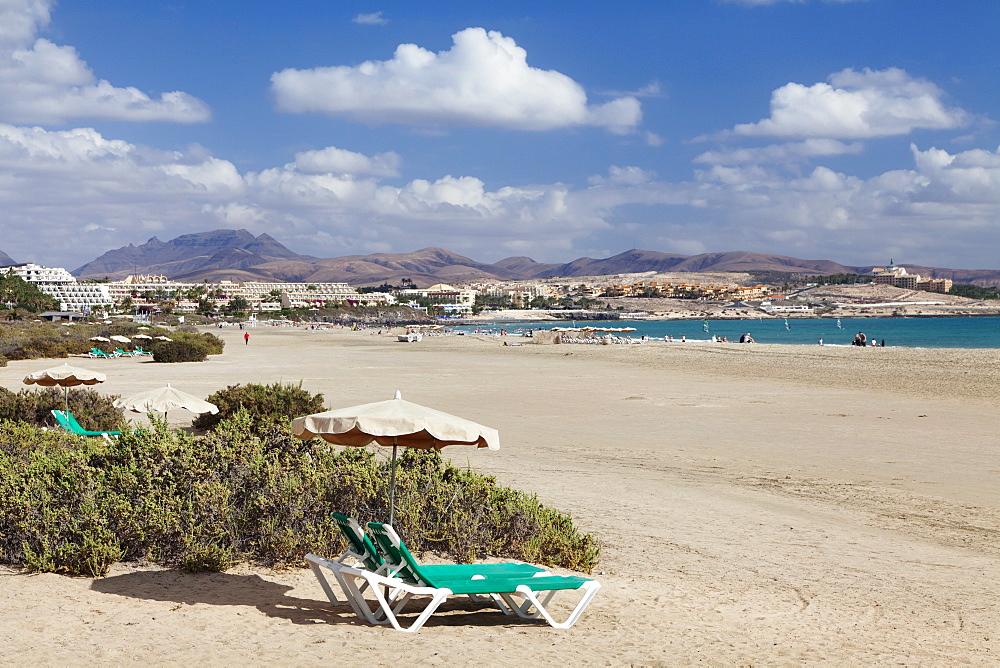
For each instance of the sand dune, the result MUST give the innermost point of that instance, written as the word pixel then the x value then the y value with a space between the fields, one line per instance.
pixel 756 504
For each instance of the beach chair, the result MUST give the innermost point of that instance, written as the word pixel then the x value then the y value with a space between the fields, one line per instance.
pixel 519 593
pixel 97 352
pixel 391 561
pixel 362 553
pixel 139 351
pixel 125 353
pixel 68 422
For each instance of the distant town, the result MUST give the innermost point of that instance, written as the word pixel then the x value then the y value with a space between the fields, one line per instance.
pixel 159 294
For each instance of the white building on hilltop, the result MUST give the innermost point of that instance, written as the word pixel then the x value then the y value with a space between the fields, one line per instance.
pixel 63 286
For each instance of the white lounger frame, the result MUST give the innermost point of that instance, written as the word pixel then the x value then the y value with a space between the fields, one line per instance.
pixel 392 595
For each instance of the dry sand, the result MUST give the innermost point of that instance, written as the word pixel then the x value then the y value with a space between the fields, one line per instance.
pixel 757 504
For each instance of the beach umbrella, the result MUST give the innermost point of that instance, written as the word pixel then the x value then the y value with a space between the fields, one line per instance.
pixel 64 376
pixel 165 399
pixel 143 336
pixel 163 338
pixel 397 423
pixel 102 339
pixel 120 339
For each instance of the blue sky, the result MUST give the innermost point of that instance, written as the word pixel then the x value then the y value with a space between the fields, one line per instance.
pixel 851 130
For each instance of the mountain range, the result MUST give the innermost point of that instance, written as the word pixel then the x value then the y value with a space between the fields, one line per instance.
pixel 238 255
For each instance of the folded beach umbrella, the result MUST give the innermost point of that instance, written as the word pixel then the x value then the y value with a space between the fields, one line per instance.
pixel 165 399
pixel 64 376
pixel 397 423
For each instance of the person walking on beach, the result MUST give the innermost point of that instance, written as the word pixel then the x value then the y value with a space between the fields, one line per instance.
pixel 246 338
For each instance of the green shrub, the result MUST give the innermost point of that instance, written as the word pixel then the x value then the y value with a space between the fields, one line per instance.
pixel 31 340
pixel 212 344
pixel 93 410
pixel 187 347
pixel 179 351
pixel 3 361
pixel 264 403
pixel 77 505
pixel 40 346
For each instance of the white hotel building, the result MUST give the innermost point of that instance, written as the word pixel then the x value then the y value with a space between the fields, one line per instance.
pixel 261 296
pixel 63 286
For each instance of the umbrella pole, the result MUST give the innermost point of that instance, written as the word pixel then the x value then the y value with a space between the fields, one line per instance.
pixel 392 483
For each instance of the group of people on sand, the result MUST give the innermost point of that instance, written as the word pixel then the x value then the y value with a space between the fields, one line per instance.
pixel 861 340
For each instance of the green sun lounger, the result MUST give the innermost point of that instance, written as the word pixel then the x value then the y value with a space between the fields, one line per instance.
pixel 362 553
pixel 390 561
pixel 68 422
pixel 525 595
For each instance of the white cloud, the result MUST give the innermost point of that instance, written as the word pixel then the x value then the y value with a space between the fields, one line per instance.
pixel 825 213
pixel 483 80
pixel 329 201
pixel 340 161
pixel 857 105
pixel 373 19
pixel 781 153
pixel 42 82
pixel 624 176
pixel 332 201
pixel 653 139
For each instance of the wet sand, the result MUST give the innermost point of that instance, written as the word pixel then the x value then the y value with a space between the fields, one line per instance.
pixel 756 504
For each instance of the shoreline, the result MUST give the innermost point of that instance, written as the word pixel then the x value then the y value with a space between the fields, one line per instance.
pixel 921 333
pixel 792 315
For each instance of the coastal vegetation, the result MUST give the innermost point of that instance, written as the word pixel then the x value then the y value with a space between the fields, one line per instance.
pixel 264 404
pixel 839 279
pixel 187 344
pixel 32 339
pixel 500 302
pixel 93 410
pixel 17 294
pixel 974 291
pixel 247 493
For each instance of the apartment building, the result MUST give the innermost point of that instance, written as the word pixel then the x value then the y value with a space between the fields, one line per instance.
pixel 63 286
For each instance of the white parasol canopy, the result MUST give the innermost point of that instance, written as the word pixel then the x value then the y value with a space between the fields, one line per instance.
pixel 165 399
pixel 102 339
pixel 143 336
pixel 397 423
pixel 120 339
pixel 65 376
pixel 163 338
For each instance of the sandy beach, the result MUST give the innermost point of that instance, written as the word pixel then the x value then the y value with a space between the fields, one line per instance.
pixel 756 504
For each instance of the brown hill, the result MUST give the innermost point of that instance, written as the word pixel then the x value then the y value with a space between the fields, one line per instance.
pixel 239 256
pixel 190 254
pixel 635 261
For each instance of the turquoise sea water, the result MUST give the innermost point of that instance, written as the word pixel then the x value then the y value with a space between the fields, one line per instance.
pixel 905 332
